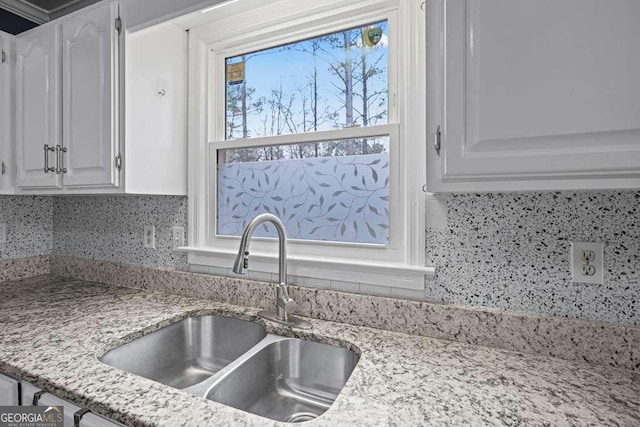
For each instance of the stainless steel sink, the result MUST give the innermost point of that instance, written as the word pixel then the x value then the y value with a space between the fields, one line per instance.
pixel 187 352
pixel 287 380
pixel 236 363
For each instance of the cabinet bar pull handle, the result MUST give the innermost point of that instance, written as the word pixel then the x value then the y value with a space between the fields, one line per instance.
pixel 36 397
pixel 47 169
pixel 78 416
pixel 3 169
pixel 437 140
pixel 60 159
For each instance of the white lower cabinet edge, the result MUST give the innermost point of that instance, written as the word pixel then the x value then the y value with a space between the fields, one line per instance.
pixel 92 420
pixel 88 419
pixel 9 391
pixel 69 408
pixel 28 390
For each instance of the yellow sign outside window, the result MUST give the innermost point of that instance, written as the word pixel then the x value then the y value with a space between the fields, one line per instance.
pixel 372 36
pixel 235 73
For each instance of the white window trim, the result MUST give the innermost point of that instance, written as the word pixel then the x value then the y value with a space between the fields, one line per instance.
pixel 401 264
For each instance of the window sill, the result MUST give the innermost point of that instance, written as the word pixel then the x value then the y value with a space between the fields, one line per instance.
pixel 392 275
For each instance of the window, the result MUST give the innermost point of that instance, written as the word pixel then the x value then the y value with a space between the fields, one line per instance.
pixel 311 116
pixel 334 190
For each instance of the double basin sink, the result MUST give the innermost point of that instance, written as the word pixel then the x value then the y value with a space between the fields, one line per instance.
pixel 236 363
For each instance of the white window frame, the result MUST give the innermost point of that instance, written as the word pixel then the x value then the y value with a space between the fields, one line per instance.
pixel 399 264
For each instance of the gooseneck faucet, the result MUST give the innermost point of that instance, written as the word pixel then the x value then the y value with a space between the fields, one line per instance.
pixel 285 306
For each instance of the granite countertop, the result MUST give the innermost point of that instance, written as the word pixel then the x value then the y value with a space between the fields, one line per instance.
pixel 53 330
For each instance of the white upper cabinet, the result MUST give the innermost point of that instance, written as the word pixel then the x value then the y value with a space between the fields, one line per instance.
pixel 90 97
pixel 38 127
pixel 156 111
pixel 533 94
pixel 74 134
pixel 67 103
pixel 6 118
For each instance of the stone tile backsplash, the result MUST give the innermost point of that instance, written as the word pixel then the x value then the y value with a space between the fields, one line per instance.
pixel 29 221
pixel 507 251
pixel 110 228
pixel 511 251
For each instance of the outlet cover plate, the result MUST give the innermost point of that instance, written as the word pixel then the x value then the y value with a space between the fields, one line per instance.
pixel 578 261
pixel 3 234
pixel 149 238
pixel 177 234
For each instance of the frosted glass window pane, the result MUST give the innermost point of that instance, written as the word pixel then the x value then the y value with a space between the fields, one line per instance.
pixel 330 191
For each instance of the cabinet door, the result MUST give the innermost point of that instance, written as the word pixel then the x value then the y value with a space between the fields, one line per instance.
pixel 93 420
pixel 69 408
pixel 8 391
pixel 28 390
pixel 38 107
pixel 534 94
pixel 90 85
pixel 6 96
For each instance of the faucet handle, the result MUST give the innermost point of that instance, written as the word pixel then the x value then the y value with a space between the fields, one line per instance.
pixel 290 306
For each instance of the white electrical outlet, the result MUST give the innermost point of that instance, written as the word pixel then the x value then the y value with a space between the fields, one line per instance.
pixel 149 239
pixel 3 234
pixel 587 262
pixel 177 234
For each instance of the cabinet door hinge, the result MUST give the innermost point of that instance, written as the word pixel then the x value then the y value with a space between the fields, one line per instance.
pixel 4 57
pixel 118 25
pixel 119 162
pixel 437 140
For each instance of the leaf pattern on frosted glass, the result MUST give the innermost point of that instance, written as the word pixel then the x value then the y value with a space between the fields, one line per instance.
pixel 342 198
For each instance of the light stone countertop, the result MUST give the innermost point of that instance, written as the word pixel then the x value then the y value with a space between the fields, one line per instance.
pixel 52 332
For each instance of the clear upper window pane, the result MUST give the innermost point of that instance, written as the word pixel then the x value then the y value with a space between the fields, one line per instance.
pixel 331 191
pixel 330 82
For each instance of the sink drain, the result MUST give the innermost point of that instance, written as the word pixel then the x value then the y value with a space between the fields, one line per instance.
pixel 301 417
